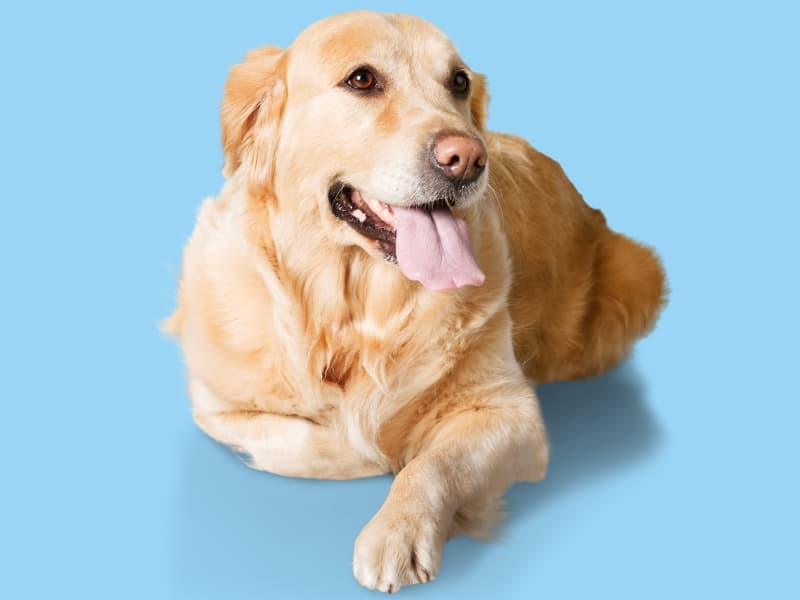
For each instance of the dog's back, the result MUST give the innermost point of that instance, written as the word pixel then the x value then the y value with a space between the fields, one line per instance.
pixel 581 294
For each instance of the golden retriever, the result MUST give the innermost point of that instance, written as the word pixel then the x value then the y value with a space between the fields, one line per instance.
pixel 381 277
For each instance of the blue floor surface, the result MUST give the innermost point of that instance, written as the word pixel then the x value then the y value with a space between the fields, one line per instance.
pixel 673 476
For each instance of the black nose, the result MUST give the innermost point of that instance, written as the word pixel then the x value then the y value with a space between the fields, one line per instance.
pixel 459 157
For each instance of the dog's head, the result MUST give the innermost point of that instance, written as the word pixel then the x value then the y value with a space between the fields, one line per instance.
pixel 368 127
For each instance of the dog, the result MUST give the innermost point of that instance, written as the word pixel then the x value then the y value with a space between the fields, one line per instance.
pixel 381 279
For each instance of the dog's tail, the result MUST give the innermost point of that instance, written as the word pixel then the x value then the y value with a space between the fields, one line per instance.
pixel 605 314
pixel 628 292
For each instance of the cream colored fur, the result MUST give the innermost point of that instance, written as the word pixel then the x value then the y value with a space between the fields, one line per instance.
pixel 309 352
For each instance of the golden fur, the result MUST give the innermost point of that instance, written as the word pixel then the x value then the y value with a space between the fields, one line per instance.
pixel 317 358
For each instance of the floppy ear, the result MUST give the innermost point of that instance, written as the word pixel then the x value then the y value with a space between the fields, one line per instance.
pixel 251 112
pixel 479 104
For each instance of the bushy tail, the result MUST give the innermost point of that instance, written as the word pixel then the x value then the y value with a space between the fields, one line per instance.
pixel 628 292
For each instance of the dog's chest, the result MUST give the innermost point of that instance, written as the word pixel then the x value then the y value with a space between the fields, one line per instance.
pixel 393 364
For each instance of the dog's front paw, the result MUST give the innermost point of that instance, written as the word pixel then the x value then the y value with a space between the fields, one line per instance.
pixel 394 550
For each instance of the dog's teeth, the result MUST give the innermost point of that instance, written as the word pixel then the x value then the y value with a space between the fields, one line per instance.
pixel 359 214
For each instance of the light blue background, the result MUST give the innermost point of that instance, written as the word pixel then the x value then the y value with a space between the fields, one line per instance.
pixel 674 476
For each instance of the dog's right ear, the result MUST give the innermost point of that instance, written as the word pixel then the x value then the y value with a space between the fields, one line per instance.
pixel 251 112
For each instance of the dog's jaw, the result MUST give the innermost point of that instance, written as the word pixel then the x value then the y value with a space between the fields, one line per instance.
pixel 427 241
pixel 370 218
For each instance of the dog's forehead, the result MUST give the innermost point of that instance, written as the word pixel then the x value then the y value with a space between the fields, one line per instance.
pixel 364 37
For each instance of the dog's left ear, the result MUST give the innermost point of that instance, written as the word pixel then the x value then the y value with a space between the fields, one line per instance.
pixel 479 103
pixel 251 111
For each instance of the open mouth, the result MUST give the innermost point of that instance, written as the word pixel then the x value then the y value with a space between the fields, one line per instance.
pixel 427 242
pixel 371 218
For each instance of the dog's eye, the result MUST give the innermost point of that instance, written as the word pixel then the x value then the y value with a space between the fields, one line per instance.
pixel 460 83
pixel 362 80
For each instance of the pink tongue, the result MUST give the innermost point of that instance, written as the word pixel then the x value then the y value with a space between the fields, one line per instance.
pixel 434 248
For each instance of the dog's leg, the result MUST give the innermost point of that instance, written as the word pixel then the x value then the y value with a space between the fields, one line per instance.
pixel 281 444
pixel 467 458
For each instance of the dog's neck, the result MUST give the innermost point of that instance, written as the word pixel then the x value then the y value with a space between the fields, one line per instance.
pixel 355 321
